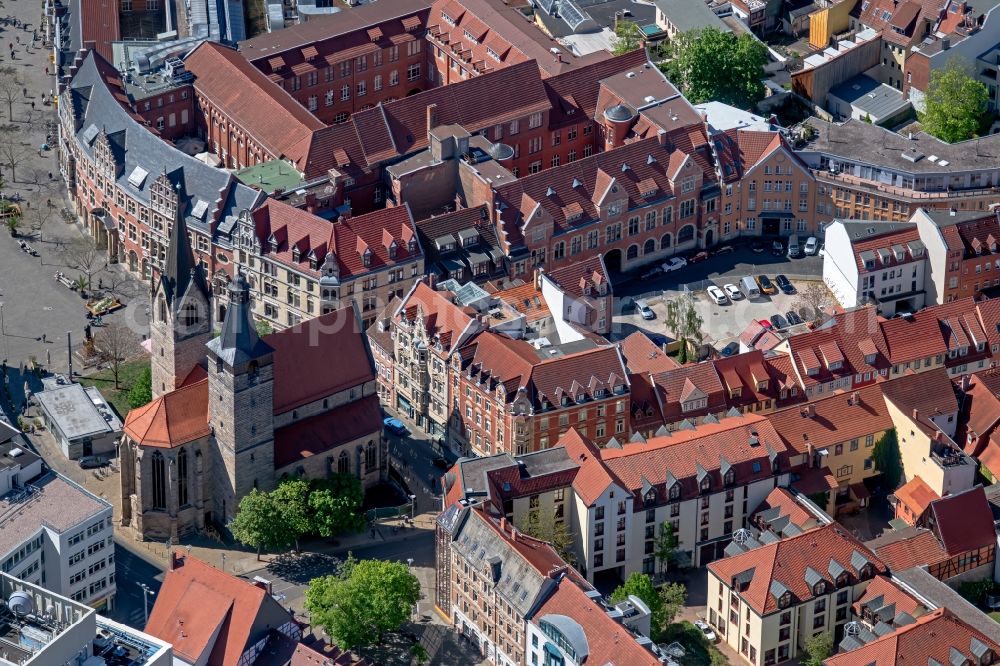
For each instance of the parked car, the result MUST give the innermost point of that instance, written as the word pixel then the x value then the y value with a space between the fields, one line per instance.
pixel 706 631
pixel 732 291
pixel 777 248
pixel 724 249
pixel 757 247
pixel 794 251
pixel 652 273
pixel 717 295
pixel 765 323
pixel 731 349
pixel 822 250
pixel 644 309
pixel 766 286
pixel 674 264
pixel 812 246
pixel 784 284
pixel 778 321
pixel 793 317
pixel 92 462
pixel 697 258
pixel 395 426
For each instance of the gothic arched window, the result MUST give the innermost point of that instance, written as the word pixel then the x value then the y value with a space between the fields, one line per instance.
pixel 343 463
pixel 182 477
pixel 163 309
pixel 159 481
pixel 370 456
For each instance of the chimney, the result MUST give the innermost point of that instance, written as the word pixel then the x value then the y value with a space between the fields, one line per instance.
pixel 809 411
pixel 557 572
pixel 916 414
pixel 855 398
pixel 503 523
pixel 176 560
pixel 538 279
pixel 945 43
pixel 966 383
pixel 432 117
pixel 661 137
pixel 311 202
pixel 432 280
pixel 559 56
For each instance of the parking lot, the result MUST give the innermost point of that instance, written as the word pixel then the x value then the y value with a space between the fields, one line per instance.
pixel 722 323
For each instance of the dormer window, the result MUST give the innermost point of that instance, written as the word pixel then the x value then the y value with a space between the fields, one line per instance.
pixel 867 571
pixel 411 247
pixel 762 385
pixel 705 485
pixel 813 371
pixel 313 261
pixel 836 365
pixel 735 391
pixel 675 492
pixel 729 478
pixel 870 359
pixel 366 257
pixel 392 250
pixel 296 254
pixel 784 600
pixel 273 242
pixel 650 497
pixel 819 589
pixel 842 580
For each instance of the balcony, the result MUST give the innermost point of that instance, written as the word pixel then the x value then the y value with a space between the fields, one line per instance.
pixel 881 189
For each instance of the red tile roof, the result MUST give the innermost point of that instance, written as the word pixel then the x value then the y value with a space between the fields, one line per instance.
pixel 643 355
pixel 909 547
pixel 833 419
pixel 173 419
pixel 203 611
pixel 916 495
pixel 313 236
pixel 326 431
pixel 783 500
pixel 883 587
pixel 608 641
pixel 740 150
pixel 930 393
pixel 929 333
pixel 785 561
pixel 582 279
pixel 99 24
pixel 302 369
pixel 323 654
pixel 933 636
pixel 982 406
pixel 751 375
pixel 672 385
pixel 264 110
pixel 901 235
pixel 744 443
pixel 839 337
pixel 593 476
pixel 442 319
pixel 577 90
pixel 963 521
pixel 527 300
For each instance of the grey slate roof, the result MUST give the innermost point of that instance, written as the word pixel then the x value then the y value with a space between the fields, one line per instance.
pixel 687 15
pixel 238 343
pixel 95 110
pixel 180 272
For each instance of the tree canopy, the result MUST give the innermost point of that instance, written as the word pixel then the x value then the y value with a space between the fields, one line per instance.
pixel 363 602
pixel 641 585
pixel 628 37
pixel 259 523
pixel 818 648
pixel 709 64
pixel 955 103
pixel 544 526
pixel 665 545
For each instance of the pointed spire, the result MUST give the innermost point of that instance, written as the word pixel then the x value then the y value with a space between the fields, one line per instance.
pixel 238 342
pixel 180 268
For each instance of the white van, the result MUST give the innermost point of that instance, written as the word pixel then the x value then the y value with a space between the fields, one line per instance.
pixel 749 287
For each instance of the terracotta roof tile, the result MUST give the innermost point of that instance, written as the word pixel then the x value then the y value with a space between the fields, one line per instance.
pixel 916 495
pixel 441 317
pixel 173 419
pixel 909 547
pixel 963 521
pixel 786 561
pixel 834 419
pixel 527 300
pixel 837 341
pixel 324 432
pixel 99 23
pixel 702 376
pixel 593 476
pixel 591 271
pixel 302 372
pixel 887 593
pixel 933 638
pixel 783 500
pixel 643 355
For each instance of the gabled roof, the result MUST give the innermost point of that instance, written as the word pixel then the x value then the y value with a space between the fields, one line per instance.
pixel 204 612
pixel 673 384
pixel 982 406
pixel 838 337
pixel 443 321
pixel 963 522
pixel 780 502
pixel 908 547
pixel 935 638
pixel 173 419
pixel 593 477
pixel 180 271
pixel 643 355
pixel 785 561
pixel 916 495
pixel 582 279
pixel 883 593
pixel 327 430
pixel 302 369
pixel 833 420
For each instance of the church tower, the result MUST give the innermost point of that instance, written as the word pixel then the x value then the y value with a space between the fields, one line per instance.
pixel 241 405
pixel 180 322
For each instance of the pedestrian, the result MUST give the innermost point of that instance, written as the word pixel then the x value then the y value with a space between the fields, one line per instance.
pixel 50 178
pixel 46 71
pixel 43 338
pixel 32 105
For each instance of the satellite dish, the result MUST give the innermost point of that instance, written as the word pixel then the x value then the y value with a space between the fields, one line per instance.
pixel 20 603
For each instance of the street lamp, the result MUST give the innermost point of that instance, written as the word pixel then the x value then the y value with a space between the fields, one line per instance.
pixel 146 594
pixel 413 506
pixel 223 561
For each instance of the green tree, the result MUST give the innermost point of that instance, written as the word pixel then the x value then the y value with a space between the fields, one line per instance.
pixel 683 320
pixel 292 499
pixel 672 598
pixel 955 102
pixel 359 606
pixel 419 654
pixel 263 327
pixel 335 505
pixel 887 459
pixel 628 37
pixel 709 64
pixel 641 585
pixel 547 528
pixel 13 222
pixel 665 545
pixel 818 648
pixel 260 523
pixel 141 391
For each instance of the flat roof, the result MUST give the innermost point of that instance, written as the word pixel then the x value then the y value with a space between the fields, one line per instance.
pixel 73 411
pixel 270 176
pixel 53 501
pixel 865 93
pixel 14 455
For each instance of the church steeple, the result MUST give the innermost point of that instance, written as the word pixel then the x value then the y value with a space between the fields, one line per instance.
pixel 180 270
pixel 181 314
pixel 238 342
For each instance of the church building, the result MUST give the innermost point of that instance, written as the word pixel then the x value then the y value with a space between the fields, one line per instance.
pixel 237 411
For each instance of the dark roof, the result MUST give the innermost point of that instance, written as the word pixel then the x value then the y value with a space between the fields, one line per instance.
pixel 963 522
pixel 180 272
pixel 238 343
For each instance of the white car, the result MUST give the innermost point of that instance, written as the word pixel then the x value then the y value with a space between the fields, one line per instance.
pixel 644 310
pixel 717 295
pixel 812 246
pixel 732 291
pixel 674 263
pixel 822 250
pixel 706 631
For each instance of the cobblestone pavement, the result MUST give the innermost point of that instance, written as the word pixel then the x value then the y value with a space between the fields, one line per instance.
pixel 34 304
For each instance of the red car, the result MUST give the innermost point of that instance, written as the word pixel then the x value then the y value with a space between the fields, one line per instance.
pixel 695 258
pixel 765 323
